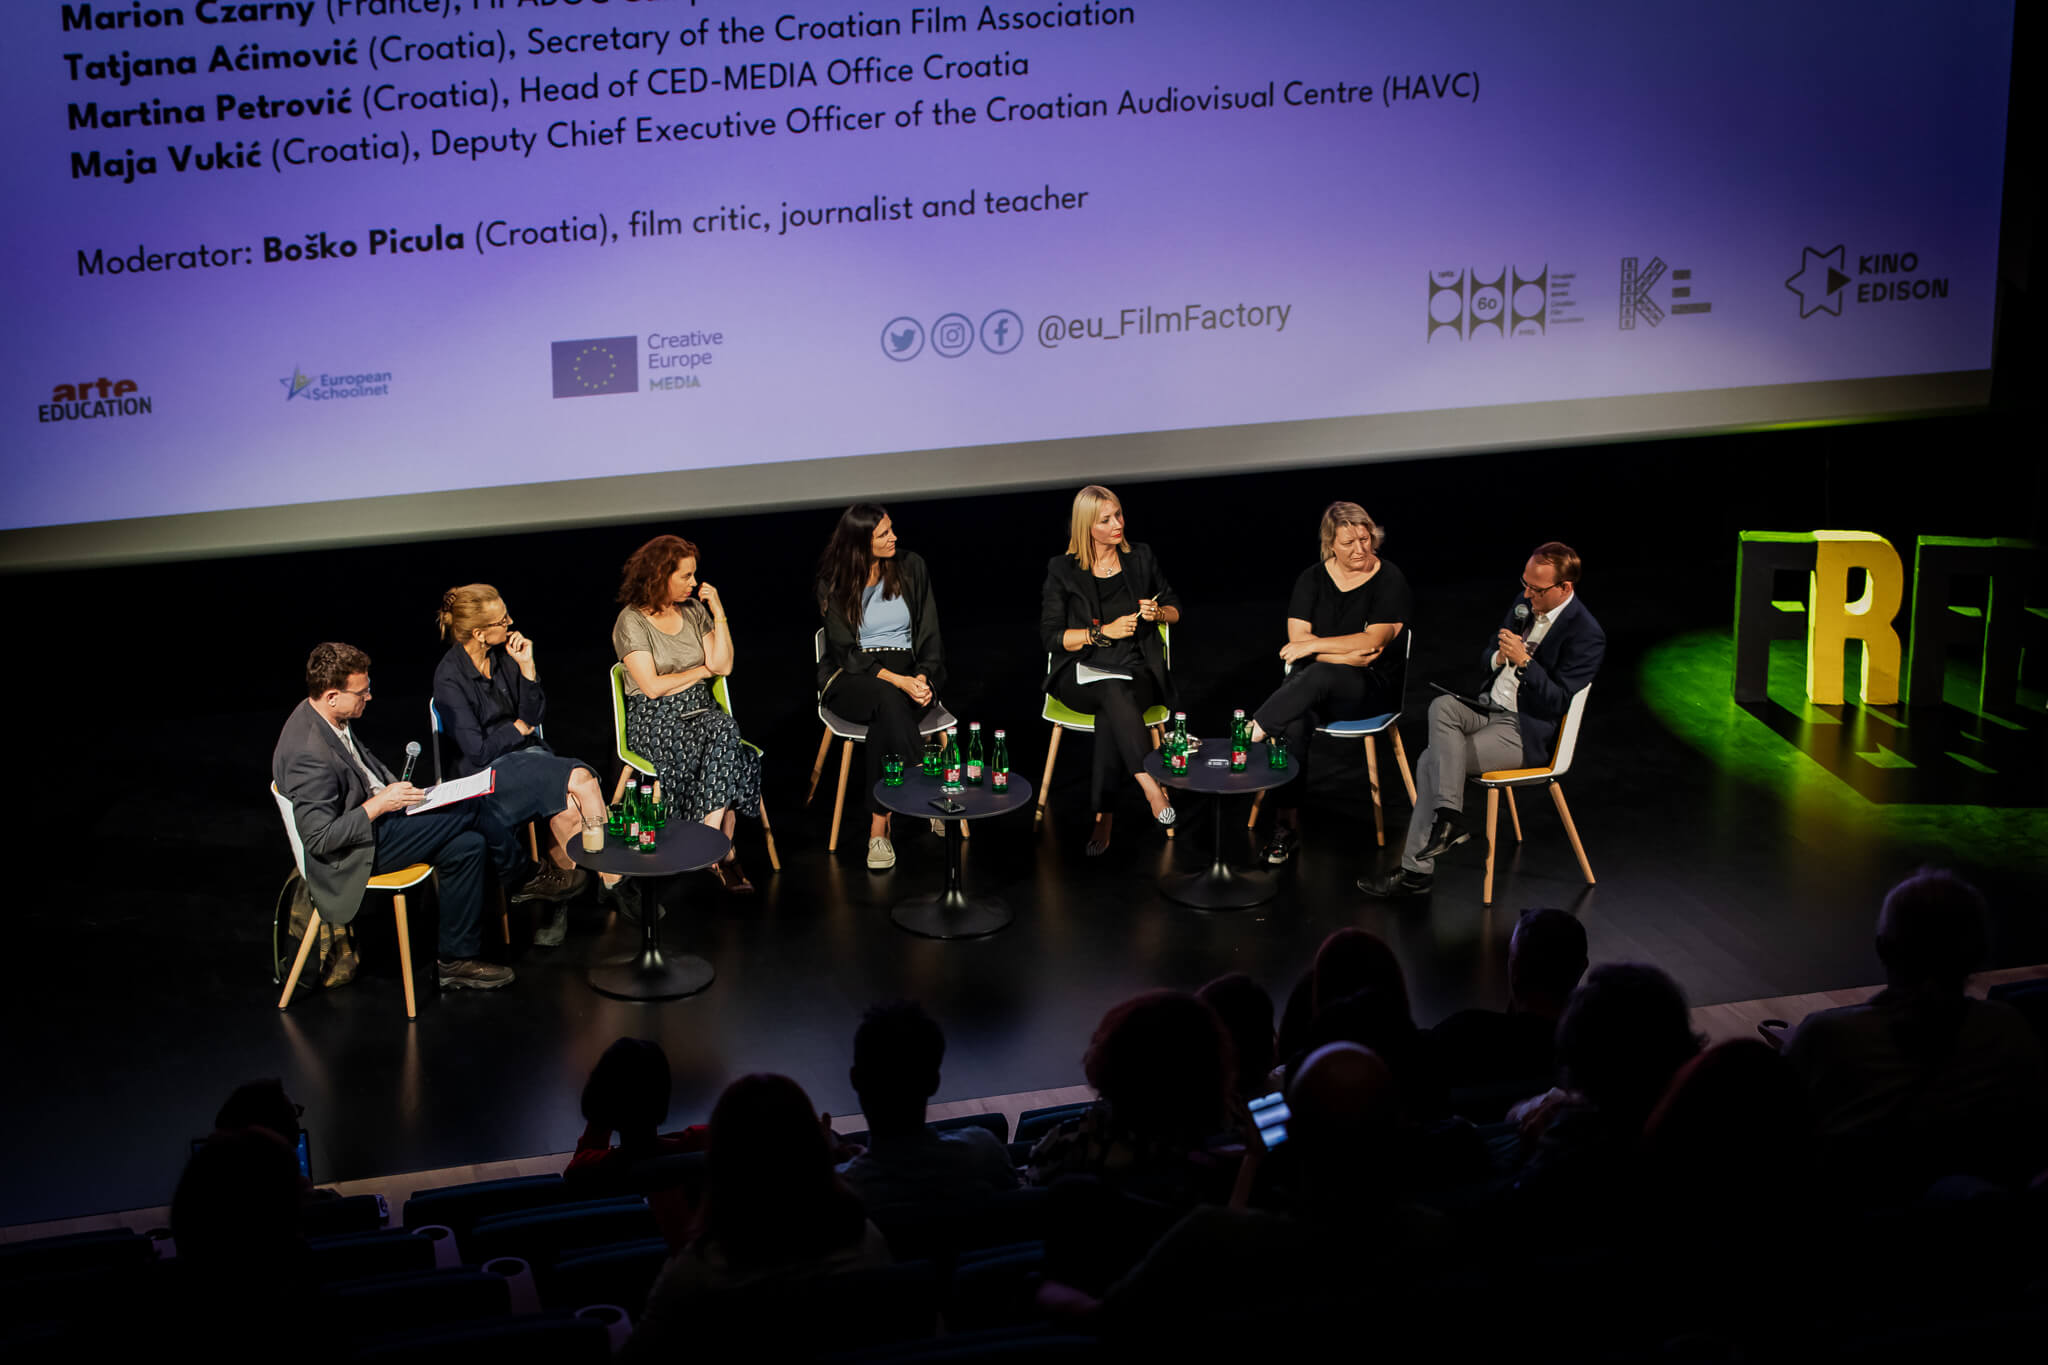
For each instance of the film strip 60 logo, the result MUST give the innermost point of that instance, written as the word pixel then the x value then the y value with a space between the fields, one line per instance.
pixel 1502 302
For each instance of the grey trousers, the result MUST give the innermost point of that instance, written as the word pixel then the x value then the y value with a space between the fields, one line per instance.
pixel 1462 744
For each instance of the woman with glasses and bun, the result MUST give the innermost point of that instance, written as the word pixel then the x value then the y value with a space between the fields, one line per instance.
pixel 672 637
pixel 488 695
pixel 1099 617
pixel 883 662
pixel 1342 619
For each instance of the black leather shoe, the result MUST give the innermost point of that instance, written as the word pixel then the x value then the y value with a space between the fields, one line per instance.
pixel 1446 834
pixel 1397 884
pixel 1281 846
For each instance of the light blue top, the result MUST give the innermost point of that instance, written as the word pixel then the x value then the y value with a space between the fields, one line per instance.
pixel 884 621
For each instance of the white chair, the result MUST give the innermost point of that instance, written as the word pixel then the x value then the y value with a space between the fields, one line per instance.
pixel 1507 779
pixel 1368 729
pixel 395 882
pixel 721 693
pixel 1063 717
pixel 936 719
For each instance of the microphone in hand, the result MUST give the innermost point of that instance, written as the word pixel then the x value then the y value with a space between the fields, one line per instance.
pixel 1521 618
pixel 412 755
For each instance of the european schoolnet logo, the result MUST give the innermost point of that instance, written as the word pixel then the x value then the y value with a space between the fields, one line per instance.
pixel 325 387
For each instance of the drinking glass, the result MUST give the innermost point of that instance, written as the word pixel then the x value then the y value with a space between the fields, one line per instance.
pixel 934 751
pixel 892 770
pixel 1276 753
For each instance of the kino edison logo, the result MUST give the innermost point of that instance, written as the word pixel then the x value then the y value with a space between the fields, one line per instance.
pixel 93 399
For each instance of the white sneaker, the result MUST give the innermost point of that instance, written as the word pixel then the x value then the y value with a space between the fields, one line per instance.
pixel 881 853
pixel 938 827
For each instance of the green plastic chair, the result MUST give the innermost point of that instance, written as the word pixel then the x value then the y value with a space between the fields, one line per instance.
pixel 1063 718
pixel 721 693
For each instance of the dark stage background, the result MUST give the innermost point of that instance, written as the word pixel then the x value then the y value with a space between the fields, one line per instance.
pixel 145 702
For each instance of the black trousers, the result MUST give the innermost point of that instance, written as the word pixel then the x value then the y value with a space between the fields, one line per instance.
pixel 458 840
pixel 891 717
pixel 1121 741
pixel 1313 696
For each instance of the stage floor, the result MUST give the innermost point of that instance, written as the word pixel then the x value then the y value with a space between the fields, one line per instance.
pixel 138 985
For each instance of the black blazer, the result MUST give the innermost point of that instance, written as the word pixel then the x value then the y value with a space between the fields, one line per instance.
pixel 843 653
pixel 312 767
pixel 475 710
pixel 1070 600
pixel 1564 661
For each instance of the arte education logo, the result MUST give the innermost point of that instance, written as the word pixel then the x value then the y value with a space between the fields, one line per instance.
pixel 1643 301
pixel 91 400
pixel 597 365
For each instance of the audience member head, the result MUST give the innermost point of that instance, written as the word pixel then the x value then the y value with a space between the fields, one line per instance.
pixel 1162 1062
pixel 236 1208
pixel 628 1090
pixel 896 1056
pixel 1247 1014
pixel 1930 933
pixel 1732 1126
pixel 1351 960
pixel 468 610
pixel 644 579
pixel 1372 1018
pixel 1297 1019
pixel 260 1104
pixel 1546 958
pixel 330 666
pixel 1624 1033
pixel 1346 1110
pixel 771 1194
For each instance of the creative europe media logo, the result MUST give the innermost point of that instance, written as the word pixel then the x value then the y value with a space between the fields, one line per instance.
pixel 597 365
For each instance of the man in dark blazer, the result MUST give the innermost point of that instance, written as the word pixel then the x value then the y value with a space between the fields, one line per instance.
pixel 1537 665
pixel 349 808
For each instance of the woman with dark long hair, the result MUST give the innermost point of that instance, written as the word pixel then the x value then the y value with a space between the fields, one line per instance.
pixel 883 663
pixel 672 636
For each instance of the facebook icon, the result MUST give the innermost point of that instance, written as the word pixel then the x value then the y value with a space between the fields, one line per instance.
pixel 1001 331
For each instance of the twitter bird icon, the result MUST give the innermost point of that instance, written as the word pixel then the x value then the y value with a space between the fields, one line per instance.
pixel 903 339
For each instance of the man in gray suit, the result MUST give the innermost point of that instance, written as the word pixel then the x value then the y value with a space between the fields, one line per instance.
pixel 349 809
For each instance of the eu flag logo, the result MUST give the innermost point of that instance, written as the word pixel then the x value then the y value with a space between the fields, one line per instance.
pixel 599 365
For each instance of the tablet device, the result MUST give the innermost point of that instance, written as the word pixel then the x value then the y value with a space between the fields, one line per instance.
pixel 1483 705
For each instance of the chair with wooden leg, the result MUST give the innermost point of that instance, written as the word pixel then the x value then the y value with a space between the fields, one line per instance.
pixel 1063 717
pixel 1369 729
pixel 398 883
pixel 936 718
pixel 1507 779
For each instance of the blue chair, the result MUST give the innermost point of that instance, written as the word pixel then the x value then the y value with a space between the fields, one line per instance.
pixel 459 1207
pixel 721 693
pixel 541 1339
pixel 1369 728
pixel 1034 1124
pixel 620 1274
pixel 995 1287
pixel 543 1237
pixel 359 1255
pixel 995 1123
pixel 416 1299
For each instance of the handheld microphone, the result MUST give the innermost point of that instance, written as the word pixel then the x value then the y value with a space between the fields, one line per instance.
pixel 412 754
pixel 1521 618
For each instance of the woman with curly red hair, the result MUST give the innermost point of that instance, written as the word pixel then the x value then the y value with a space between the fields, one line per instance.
pixel 672 637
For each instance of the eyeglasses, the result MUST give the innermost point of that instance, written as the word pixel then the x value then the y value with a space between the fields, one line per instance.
pixel 505 621
pixel 363 691
pixel 1535 591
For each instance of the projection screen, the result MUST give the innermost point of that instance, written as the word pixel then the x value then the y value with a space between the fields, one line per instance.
pixel 329 271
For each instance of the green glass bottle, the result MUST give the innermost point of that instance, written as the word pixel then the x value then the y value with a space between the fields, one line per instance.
pixel 1177 745
pixel 631 812
pixel 999 766
pixel 659 806
pixel 973 760
pixel 1240 741
pixel 949 764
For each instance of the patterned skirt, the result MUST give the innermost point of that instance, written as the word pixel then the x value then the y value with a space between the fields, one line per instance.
pixel 702 762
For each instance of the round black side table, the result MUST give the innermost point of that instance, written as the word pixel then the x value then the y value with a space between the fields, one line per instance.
pixel 651 974
pixel 952 913
pixel 1221 887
